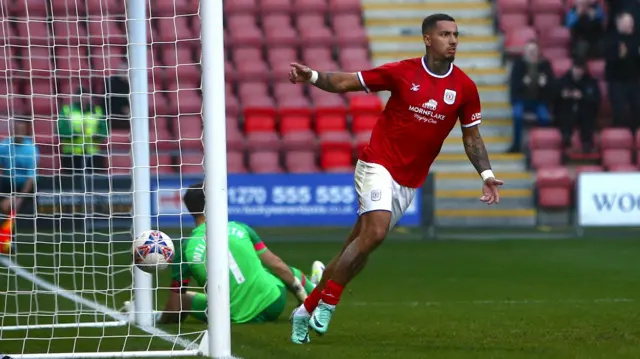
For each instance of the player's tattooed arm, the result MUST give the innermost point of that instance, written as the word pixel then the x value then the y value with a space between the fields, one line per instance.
pixel 475 148
pixel 338 82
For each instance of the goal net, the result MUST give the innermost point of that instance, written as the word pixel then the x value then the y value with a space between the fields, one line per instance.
pixel 73 83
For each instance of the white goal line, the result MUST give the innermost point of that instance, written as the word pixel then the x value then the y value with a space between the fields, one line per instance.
pixel 191 348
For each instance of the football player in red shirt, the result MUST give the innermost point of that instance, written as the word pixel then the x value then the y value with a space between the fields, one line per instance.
pixel 428 96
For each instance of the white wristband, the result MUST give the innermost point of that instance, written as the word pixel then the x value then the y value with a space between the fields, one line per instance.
pixel 314 76
pixel 487 174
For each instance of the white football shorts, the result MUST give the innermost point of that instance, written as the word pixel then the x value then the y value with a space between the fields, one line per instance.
pixel 378 191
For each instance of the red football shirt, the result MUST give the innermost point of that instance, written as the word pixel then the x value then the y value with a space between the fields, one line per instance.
pixel 420 114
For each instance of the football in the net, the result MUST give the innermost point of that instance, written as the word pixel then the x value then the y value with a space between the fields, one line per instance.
pixel 153 251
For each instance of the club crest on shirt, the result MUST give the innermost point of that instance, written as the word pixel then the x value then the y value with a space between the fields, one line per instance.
pixel 376 195
pixel 449 97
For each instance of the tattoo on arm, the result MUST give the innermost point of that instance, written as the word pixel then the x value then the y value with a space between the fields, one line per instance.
pixel 477 152
pixel 325 82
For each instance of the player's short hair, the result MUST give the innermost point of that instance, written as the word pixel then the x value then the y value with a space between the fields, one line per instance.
pixel 430 21
pixel 194 199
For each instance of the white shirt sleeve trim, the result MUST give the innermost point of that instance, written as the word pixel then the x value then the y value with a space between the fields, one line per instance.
pixel 364 86
pixel 474 123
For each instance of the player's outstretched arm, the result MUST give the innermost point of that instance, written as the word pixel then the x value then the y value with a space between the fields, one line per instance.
pixel 336 82
pixel 281 270
pixel 477 153
pixel 176 309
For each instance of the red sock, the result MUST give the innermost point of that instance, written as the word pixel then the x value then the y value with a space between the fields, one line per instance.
pixel 332 292
pixel 312 300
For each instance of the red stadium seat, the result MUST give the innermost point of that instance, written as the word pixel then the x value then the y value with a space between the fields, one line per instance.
pixel 107 59
pixel 616 157
pixel 330 123
pixel 345 7
pixel 545 138
pixel 69 31
pixel 282 90
pixel 346 21
pixel 294 106
pixel 546 6
pixel 68 8
pixel 336 159
pixel 181 67
pixel 555 37
pixel 281 55
pixel 512 7
pixel 171 8
pixel 361 141
pixel 365 105
pixel 561 66
pixel 245 54
pixel 34 9
pixel 161 163
pixel 42 100
pixel 235 162
pixel 275 6
pixel 105 32
pixel 253 89
pixel 554 187
pixel 259 123
pixel 174 29
pixel 295 124
pixel 517 38
pixel 240 6
pixel 301 162
pixel 616 138
pixel 258 141
pixel 310 6
pixel 364 123
pixel 545 158
pixel 185 102
pixel 191 163
pixel 544 21
pixel 259 106
pixel 512 21
pixel 232 106
pixel 235 139
pixel 236 22
pixel 31 32
pixel 316 54
pixel 316 36
pixel 162 140
pixel 281 37
pixel 105 9
pixel 72 62
pixel 352 37
pixel 246 37
pixel 299 140
pixel 120 163
pixel 252 71
pixel 188 130
pixel 329 105
pixel 336 140
pixel 158 104
pixel 638 139
pixel 265 162
pixel 274 21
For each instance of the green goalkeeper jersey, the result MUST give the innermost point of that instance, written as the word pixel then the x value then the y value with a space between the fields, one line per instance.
pixel 252 288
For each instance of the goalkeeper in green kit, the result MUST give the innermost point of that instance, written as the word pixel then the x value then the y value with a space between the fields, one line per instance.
pixel 258 279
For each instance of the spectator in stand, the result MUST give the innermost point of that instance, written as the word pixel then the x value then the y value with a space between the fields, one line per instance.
pixel 117 98
pixel 585 20
pixel 19 160
pixel 531 81
pixel 622 72
pixel 82 129
pixel 576 104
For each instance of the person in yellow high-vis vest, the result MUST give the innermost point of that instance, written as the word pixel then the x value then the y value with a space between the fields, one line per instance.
pixel 82 129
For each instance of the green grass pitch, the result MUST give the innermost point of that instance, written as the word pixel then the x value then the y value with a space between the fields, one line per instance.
pixel 441 299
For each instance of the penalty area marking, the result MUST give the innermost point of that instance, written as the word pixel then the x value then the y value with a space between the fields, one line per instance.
pixel 21 272
pixel 494 302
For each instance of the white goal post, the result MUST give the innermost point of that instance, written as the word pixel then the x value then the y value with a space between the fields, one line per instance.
pixel 71 271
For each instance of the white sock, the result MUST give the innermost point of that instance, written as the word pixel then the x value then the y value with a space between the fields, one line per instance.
pixel 302 311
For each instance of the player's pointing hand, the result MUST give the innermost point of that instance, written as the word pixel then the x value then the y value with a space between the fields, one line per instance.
pixel 299 73
pixel 490 191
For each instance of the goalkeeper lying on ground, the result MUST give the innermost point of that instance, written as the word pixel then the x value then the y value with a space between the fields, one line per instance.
pixel 258 279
